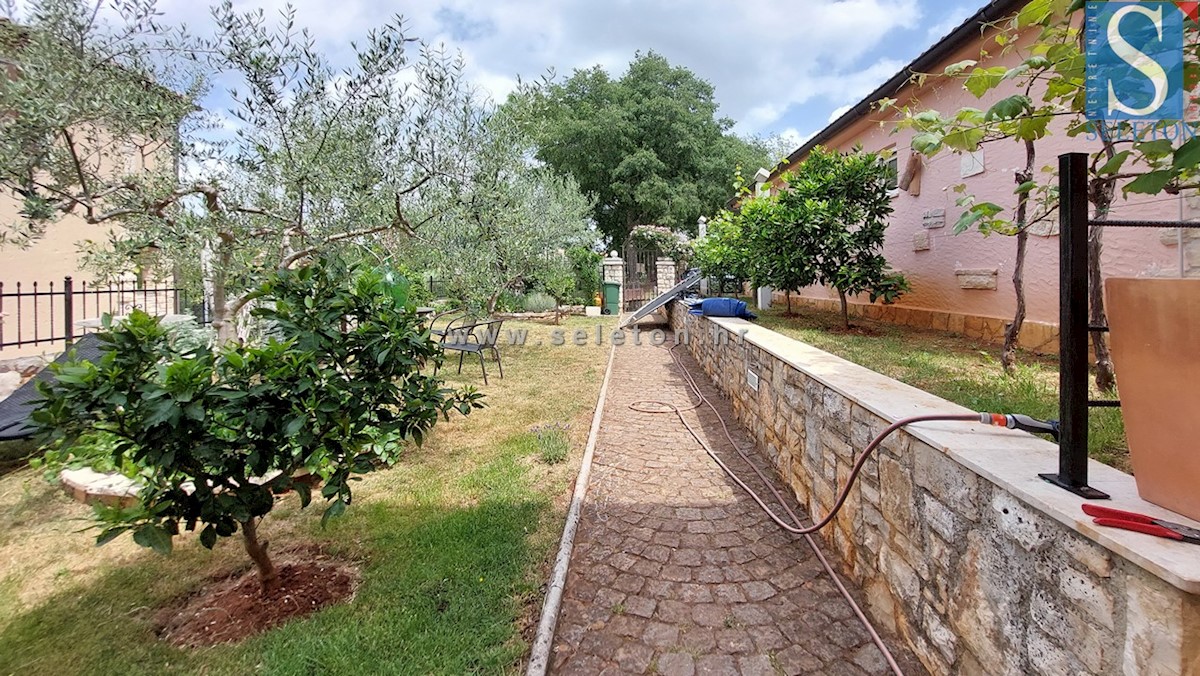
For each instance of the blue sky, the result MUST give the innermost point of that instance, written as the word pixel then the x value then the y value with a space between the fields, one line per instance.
pixel 784 69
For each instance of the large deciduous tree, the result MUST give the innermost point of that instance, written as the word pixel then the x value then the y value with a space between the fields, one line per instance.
pixel 317 158
pixel 648 146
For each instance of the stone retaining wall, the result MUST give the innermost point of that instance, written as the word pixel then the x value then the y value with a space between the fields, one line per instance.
pixel 977 564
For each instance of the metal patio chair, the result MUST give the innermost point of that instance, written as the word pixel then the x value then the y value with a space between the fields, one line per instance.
pixel 475 338
pixel 454 314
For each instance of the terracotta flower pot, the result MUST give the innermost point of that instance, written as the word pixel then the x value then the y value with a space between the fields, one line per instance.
pixel 1154 335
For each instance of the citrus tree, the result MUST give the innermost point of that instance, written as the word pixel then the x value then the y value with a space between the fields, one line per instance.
pixel 839 203
pixel 826 227
pixel 722 253
pixel 215 434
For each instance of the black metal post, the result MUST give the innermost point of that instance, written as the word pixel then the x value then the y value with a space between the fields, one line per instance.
pixel 1073 376
pixel 68 310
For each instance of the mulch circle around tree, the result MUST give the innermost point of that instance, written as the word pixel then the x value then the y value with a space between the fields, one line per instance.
pixel 236 608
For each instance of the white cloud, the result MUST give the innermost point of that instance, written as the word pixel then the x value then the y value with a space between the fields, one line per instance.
pixel 762 62
pixel 793 137
pixel 838 112
pixel 950 20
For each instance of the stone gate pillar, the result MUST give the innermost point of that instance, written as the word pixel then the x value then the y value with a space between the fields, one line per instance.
pixel 665 269
pixel 614 271
pixel 763 296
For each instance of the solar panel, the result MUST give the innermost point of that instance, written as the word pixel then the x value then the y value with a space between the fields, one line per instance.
pixel 688 282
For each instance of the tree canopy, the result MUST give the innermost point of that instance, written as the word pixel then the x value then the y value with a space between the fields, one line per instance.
pixel 648 147
pixel 215 432
pixel 507 226
pixel 826 228
pixel 318 158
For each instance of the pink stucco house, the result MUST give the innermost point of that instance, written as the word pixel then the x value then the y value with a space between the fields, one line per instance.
pixel 964 282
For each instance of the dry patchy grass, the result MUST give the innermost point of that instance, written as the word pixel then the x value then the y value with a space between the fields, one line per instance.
pixel 960 369
pixel 455 542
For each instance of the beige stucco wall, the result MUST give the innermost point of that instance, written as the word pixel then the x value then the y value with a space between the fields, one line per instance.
pixel 57 253
pixel 51 257
pixel 933 258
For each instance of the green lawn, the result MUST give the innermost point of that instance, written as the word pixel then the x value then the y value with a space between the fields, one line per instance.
pixel 953 367
pixel 454 543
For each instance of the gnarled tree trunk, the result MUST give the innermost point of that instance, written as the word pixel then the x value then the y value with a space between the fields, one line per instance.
pixel 845 308
pixel 1101 195
pixel 268 576
pixel 1105 377
pixel 216 277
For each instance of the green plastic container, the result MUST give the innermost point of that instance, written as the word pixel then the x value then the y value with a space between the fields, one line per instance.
pixel 612 299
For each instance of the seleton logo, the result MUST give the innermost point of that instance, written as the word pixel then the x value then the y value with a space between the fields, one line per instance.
pixel 1135 59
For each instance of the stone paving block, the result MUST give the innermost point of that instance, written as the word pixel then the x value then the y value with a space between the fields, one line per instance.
pixel 758 665
pixel 661 635
pixel 640 606
pixel 676 664
pixel 715 665
pixel 676 570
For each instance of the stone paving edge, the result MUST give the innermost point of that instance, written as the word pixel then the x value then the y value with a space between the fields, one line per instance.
pixel 543 642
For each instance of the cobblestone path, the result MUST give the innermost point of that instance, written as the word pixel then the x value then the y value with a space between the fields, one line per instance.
pixel 676 571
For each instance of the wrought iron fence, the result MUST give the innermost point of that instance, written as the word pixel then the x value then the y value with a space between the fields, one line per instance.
pixel 44 314
pixel 438 288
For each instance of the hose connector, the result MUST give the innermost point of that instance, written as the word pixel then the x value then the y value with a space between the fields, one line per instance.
pixel 1017 421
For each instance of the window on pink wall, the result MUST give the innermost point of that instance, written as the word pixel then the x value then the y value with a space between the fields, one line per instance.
pixel 893 165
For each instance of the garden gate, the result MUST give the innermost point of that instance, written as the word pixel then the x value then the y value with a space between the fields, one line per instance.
pixel 641 277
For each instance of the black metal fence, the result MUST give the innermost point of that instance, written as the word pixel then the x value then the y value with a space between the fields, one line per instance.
pixel 438 288
pixel 45 314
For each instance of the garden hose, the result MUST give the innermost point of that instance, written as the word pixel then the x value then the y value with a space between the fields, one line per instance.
pixel 1010 421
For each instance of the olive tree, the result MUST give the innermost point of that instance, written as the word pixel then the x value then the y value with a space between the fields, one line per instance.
pixel 306 158
pixel 214 434
pixel 508 224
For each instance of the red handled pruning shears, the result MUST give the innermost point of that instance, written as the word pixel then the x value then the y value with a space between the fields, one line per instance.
pixel 1115 518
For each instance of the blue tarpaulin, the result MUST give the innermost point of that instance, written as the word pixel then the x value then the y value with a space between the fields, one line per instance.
pixel 723 307
pixel 15 410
